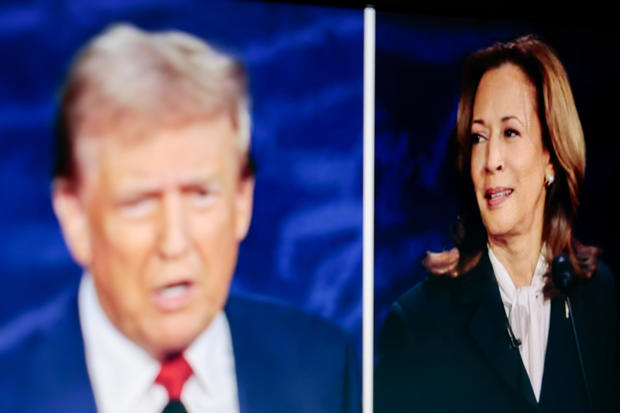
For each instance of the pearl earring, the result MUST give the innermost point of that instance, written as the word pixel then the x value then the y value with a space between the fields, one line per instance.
pixel 549 180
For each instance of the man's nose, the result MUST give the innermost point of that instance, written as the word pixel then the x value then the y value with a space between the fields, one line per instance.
pixel 174 236
pixel 494 154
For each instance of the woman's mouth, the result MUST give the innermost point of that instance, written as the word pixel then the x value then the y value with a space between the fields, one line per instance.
pixel 495 196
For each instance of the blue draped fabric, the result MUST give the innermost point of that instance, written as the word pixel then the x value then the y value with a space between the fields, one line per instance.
pixel 305 66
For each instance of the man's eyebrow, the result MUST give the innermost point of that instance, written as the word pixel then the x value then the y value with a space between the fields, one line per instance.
pixel 200 178
pixel 147 185
pixel 134 187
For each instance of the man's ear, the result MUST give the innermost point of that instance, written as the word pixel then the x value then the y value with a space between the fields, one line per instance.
pixel 244 203
pixel 73 219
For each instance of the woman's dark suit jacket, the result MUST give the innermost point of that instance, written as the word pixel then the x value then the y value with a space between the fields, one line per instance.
pixel 445 348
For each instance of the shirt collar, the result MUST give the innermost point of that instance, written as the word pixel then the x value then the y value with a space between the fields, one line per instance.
pixel 210 355
pixel 121 371
pixel 506 285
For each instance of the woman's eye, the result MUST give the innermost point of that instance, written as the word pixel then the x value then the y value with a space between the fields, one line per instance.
pixel 476 137
pixel 510 133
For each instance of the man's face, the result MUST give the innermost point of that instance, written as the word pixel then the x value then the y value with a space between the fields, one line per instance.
pixel 162 218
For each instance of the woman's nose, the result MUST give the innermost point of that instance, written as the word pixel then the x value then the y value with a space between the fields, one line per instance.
pixel 494 155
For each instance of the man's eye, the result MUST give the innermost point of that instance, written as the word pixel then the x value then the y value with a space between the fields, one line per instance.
pixel 138 207
pixel 203 197
pixel 510 133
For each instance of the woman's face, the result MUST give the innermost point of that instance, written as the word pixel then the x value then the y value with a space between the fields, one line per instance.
pixel 508 160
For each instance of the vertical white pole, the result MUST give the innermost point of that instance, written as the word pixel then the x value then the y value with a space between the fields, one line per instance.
pixel 368 204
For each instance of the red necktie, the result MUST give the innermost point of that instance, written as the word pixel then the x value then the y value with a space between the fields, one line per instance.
pixel 173 375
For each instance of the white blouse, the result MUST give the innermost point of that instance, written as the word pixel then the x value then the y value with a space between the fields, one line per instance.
pixel 528 313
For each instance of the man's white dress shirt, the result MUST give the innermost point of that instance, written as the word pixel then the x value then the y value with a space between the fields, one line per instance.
pixel 528 313
pixel 123 375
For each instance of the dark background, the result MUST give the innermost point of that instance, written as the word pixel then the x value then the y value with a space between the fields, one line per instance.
pixel 418 70
pixel 305 65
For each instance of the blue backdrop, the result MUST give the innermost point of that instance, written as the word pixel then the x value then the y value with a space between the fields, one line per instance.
pixel 419 63
pixel 305 65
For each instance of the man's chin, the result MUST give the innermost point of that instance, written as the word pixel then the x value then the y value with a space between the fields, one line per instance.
pixel 174 334
pixel 162 348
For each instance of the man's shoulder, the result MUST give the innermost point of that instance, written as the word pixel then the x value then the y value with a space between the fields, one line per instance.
pixel 290 360
pixel 40 325
pixel 280 321
pixel 42 358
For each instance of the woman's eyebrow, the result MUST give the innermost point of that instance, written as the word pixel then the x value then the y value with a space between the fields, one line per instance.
pixel 509 117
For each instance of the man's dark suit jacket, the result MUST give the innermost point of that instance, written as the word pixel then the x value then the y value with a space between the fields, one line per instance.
pixel 285 361
pixel 445 348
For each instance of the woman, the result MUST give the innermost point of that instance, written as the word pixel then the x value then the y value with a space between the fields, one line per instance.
pixel 489 330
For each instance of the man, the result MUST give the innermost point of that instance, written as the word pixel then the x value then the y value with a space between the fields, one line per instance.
pixel 153 191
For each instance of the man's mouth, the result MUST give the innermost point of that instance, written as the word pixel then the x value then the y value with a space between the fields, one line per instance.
pixel 173 296
pixel 174 290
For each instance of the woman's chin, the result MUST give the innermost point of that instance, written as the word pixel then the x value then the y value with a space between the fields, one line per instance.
pixel 499 228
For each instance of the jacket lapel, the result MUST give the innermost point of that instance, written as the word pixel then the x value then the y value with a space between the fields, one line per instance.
pixel 558 347
pixel 62 378
pixel 562 385
pixel 251 366
pixel 489 328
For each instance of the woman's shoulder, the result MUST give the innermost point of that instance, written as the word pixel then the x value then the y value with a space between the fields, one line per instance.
pixel 601 287
pixel 431 292
pixel 604 276
pixel 435 304
pixel 427 304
